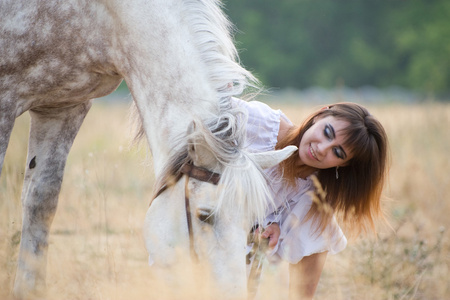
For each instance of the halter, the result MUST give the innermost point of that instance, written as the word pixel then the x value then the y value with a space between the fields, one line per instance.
pixel 190 170
pixel 259 245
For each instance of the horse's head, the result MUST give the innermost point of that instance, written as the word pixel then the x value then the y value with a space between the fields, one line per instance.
pixel 221 213
pixel 237 179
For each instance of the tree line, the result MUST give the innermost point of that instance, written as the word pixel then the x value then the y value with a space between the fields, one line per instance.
pixel 382 43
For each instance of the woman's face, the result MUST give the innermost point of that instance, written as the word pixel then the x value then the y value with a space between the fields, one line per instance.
pixel 322 144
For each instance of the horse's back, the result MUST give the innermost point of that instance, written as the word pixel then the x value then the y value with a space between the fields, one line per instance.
pixel 55 53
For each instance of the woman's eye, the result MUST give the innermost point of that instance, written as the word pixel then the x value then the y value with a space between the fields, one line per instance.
pixel 338 153
pixel 328 133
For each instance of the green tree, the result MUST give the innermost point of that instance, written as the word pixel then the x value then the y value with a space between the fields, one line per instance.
pixel 299 43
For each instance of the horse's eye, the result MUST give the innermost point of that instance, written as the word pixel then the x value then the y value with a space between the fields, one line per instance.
pixel 205 215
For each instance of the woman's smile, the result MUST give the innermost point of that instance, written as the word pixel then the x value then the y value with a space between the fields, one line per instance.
pixel 312 153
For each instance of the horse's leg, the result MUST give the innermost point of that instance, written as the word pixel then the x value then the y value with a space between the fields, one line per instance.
pixel 51 136
pixel 7 118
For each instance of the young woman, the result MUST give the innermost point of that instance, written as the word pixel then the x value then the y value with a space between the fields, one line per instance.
pixel 338 170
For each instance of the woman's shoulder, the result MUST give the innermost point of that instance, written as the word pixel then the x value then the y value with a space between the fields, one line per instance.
pixel 285 125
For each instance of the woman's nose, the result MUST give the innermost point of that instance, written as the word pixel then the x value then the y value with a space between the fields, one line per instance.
pixel 323 147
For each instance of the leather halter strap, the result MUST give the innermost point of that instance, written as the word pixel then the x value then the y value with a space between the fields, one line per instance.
pixel 193 171
pixel 203 175
pixel 198 173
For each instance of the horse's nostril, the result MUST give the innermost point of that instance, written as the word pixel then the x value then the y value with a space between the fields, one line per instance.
pixel 205 215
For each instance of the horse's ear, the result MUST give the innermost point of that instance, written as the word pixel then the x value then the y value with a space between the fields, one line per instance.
pixel 198 150
pixel 271 158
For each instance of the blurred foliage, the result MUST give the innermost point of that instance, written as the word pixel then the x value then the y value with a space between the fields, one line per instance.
pixel 302 43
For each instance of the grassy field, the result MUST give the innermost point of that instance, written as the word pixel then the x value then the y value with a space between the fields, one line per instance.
pixel 96 245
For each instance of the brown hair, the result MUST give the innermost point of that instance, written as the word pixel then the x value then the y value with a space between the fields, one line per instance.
pixel 356 194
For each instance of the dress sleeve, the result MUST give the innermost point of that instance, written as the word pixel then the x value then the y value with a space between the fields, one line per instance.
pixel 263 124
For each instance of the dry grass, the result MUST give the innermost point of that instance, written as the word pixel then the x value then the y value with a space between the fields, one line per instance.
pixel 97 250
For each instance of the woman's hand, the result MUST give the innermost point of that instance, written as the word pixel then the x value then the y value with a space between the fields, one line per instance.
pixel 271 232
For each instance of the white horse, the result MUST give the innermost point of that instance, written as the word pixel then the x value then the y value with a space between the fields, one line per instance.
pixel 178 59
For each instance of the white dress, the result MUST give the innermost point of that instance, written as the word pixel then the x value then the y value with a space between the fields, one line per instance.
pixel 297 238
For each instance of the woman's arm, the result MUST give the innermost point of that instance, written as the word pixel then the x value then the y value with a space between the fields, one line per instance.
pixel 304 276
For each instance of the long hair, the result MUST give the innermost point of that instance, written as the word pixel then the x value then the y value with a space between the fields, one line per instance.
pixel 356 194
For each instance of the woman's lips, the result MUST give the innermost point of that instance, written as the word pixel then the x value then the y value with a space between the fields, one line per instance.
pixel 312 154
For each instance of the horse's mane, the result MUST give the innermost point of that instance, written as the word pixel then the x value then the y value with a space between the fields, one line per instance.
pixel 223 133
pixel 212 33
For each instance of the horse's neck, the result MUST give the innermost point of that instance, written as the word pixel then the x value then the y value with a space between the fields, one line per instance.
pixel 177 60
pixel 168 109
